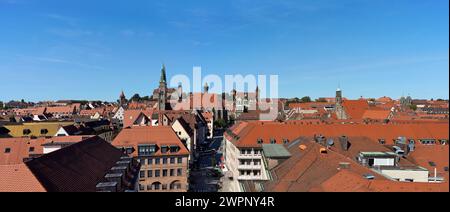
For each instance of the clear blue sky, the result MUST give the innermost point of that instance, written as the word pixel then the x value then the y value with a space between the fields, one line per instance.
pixel 84 49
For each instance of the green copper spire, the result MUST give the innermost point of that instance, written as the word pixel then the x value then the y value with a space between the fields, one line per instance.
pixel 163 74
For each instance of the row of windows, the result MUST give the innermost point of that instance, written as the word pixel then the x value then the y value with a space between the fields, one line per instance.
pixel 249 173
pixel 159 173
pixel 249 162
pixel 28 131
pixel 159 186
pixel 8 150
pixel 249 152
pixel 157 161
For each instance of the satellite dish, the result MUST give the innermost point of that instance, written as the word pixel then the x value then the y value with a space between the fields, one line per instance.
pixel 330 142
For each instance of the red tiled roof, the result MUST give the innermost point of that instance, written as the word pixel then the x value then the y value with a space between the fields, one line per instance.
pixel 309 105
pixel 61 109
pixel 131 116
pixel 376 114
pixel 438 154
pixel 355 108
pixel 250 132
pixel 160 135
pixel 18 178
pixel 307 169
pixel 384 99
pixel 346 181
pixel 20 147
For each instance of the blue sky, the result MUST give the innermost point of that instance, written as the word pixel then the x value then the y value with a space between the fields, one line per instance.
pixel 53 49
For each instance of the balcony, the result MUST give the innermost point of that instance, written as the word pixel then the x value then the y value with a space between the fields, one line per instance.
pixel 249 156
pixel 250 177
pixel 250 167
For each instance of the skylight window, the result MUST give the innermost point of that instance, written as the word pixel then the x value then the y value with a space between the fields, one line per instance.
pixel 7 150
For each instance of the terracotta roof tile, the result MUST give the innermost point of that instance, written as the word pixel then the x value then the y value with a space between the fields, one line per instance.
pixel 160 135
pixel 18 178
pixel 355 108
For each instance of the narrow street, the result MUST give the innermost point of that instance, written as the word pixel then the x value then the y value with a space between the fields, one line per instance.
pixel 204 176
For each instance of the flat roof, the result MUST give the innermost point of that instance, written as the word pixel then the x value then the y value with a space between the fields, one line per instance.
pixel 275 151
pixel 378 154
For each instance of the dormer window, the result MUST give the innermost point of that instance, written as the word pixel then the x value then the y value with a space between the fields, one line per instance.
pixel 31 149
pixel 259 141
pixel 26 131
pixel 285 141
pixel 273 141
pixel 44 131
pixel 174 148
pixel 7 150
pixel 128 150
pixel 146 150
pixel 164 149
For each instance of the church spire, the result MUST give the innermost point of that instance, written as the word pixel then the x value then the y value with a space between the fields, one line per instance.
pixel 163 74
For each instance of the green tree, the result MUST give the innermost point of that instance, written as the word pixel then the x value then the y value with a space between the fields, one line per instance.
pixel 413 107
pixel 136 97
pixel 306 99
pixel 220 123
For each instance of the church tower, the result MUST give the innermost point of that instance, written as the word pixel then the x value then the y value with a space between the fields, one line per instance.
pixel 162 100
pixel 340 112
pixel 206 88
pixel 257 98
pixel 122 99
pixel 339 96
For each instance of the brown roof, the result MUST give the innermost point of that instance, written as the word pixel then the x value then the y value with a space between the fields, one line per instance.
pixel 160 135
pixel 77 168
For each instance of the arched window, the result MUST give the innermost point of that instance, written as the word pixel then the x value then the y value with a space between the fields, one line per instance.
pixel 156 186
pixel 175 185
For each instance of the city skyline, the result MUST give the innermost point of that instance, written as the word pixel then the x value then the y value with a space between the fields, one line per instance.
pixel 54 50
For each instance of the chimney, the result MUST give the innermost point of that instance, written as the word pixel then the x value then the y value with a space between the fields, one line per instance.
pixel 435 175
pixel 115 178
pixel 345 144
pixel 107 187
